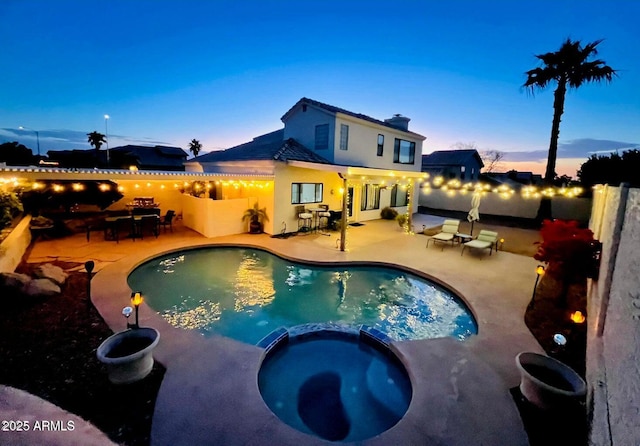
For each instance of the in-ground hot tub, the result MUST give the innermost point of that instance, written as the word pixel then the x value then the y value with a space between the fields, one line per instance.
pixel 336 383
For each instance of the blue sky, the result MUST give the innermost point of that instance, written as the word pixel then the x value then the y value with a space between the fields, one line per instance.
pixel 225 71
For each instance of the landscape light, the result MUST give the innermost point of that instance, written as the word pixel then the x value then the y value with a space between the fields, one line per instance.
pixel 577 317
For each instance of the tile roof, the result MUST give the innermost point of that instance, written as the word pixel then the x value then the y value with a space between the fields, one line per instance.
pixel 334 109
pixel 265 147
pixel 451 158
pixel 157 156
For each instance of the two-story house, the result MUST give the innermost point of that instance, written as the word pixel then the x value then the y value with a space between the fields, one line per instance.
pixel 463 165
pixel 327 155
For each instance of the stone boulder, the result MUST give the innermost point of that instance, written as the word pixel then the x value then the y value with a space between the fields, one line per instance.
pixel 12 284
pixel 51 272
pixel 41 288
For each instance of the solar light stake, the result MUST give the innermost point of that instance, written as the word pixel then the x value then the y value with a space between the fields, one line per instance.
pixel 136 300
pixel 539 273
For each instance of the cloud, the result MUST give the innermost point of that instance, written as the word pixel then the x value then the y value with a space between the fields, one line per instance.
pixel 576 148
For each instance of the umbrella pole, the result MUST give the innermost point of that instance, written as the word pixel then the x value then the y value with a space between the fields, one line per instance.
pixel 472 222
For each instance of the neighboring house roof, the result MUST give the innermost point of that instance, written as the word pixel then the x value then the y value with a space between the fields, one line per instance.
pixel 333 109
pixel 265 147
pixel 516 177
pixel 156 156
pixel 451 158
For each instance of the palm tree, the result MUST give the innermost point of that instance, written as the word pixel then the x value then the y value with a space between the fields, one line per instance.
pixel 96 140
pixel 568 67
pixel 195 147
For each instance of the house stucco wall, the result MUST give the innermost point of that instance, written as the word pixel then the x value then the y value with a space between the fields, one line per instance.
pixel 301 126
pixel 613 336
pixel 363 145
pixel 285 216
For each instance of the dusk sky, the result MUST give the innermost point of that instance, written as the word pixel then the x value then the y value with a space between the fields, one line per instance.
pixel 224 72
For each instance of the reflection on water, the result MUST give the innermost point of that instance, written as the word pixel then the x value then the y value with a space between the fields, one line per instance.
pixel 252 288
pixel 246 293
pixel 196 318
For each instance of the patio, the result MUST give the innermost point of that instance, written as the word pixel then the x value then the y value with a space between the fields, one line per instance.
pixel 454 382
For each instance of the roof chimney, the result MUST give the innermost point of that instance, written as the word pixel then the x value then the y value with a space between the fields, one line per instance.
pixel 399 122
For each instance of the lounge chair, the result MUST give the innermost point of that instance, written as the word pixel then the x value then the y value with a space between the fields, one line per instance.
pixel 485 240
pixel 447 234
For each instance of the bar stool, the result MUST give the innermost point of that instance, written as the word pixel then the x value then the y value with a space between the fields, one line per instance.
pixel 304 219
pixel 323 217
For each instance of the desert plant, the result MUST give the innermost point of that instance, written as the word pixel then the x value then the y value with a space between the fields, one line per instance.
pixel 388 213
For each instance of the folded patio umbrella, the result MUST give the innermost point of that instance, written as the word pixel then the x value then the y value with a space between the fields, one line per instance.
pixel 474 214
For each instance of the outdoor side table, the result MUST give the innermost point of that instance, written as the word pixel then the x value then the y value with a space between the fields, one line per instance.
pixel 463 238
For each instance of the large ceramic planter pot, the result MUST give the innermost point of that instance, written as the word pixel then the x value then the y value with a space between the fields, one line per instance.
pixel 548 383
pixel 127 354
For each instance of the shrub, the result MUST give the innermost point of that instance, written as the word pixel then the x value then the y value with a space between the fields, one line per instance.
pixel 566 244
pixel 402 220
pixel 388 213
pixel 10 206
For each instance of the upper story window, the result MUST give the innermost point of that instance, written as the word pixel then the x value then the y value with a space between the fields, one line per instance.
pixel 344 137
pixel 380 144
pixel 322 137
pixel 306 193
pixel 404 152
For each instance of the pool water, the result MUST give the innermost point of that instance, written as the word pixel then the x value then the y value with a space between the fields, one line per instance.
pixel 336 388
pixel 245 294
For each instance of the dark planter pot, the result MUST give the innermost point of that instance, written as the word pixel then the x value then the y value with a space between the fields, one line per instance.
pixel 255 227
pixel 127 354
pixel 548 383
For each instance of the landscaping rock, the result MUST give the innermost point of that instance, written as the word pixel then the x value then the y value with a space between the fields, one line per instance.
pixel 41 288
pixel 13 281
pixel 51 272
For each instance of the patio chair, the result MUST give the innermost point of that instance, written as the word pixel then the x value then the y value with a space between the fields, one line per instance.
pixel 485 240
pixel 447 234
pixel 323 217
pixel 167 220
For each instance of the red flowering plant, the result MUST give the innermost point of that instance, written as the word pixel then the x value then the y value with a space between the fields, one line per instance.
pixel 566 247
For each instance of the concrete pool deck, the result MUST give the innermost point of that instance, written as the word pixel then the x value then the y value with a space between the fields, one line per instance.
pixel 209 394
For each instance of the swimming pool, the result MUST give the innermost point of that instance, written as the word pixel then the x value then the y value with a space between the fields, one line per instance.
pixel 246 293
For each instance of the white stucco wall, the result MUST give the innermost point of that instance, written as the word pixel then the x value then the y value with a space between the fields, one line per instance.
pixel 515 206
pixel 613 343
pixel 214 218
pixel 15 245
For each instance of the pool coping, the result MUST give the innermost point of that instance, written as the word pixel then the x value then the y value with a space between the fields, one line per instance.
pixel 184 396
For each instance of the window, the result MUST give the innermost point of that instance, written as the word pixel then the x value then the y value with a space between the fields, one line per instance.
pixel 344 137
pixel 370 197
pixel 404 152
pixel 399 196
pixel 306 193
pixel 380 144
pixel 322 137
